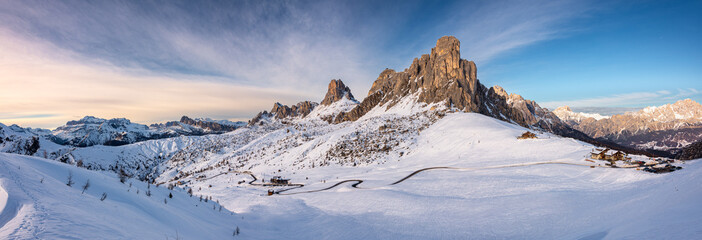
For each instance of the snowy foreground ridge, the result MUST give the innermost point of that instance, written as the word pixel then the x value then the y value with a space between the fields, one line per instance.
pixel 489 185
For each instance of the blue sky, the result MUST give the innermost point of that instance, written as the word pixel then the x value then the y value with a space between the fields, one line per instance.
pixel 152 61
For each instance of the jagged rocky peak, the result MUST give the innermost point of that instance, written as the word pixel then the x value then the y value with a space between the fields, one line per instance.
pixel 441 75
pixel 337 91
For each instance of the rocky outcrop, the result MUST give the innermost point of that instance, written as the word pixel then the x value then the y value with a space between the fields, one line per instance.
pixel 280 111
pixel 208 126
pixel 441 76
pixel 337 91
pixel 300 109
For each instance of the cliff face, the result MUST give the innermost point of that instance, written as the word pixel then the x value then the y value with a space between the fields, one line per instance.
pixel 440 76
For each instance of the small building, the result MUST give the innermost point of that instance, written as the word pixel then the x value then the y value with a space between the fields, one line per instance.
pixel 279 180
pixel 618 156
pixel 600 156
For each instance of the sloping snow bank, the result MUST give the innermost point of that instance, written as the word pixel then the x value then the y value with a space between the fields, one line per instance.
pixel 49 209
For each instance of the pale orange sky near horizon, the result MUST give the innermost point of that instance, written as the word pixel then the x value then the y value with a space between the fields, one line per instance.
pixel 35 77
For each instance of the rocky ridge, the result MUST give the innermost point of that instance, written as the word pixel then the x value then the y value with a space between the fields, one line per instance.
pixel 336 92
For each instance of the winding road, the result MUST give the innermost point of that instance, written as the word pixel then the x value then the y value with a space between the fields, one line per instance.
pixel 358 181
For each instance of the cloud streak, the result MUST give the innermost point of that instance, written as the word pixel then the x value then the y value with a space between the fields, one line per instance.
pixel 637 99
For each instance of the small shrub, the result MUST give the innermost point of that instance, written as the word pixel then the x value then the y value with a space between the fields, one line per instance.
pixel 86 186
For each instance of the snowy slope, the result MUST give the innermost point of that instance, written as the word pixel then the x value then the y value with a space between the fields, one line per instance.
pixel 35 202
pixel 540 188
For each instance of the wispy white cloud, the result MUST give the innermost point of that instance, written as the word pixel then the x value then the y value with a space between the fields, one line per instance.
pixel 494 28
pixel 637 99
pixel 263 44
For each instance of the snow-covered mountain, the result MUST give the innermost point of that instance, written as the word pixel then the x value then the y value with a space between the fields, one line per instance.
pixel 686 110
pixel 667 128
pixel 567 115
pixel 90 131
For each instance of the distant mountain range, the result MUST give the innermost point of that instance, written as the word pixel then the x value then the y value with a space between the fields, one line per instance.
pixel 668 128
pixel 90 131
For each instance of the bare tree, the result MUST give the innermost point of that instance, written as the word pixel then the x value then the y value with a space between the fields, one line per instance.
pixel 86 186
pixel 69 181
